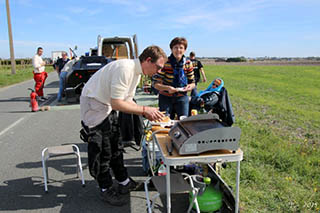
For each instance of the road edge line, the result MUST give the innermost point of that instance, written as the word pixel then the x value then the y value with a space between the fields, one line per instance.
pixel 12 125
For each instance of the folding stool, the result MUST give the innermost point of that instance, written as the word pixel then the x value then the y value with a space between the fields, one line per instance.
pixel 56 151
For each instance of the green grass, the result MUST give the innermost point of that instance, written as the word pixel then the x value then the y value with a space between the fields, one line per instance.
pixel 278 111
pixel 23 73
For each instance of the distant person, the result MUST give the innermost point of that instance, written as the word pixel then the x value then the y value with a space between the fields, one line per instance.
pixel 61 62
pixel 197 69
pixel 63 75
pixel 175 80
pixel 39 74
pixel 109 90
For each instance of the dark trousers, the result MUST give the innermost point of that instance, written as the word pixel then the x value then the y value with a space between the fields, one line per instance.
pixel 105 152
pixel 194 90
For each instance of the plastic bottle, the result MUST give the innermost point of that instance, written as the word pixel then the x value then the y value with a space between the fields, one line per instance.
pixel 202 110
pixel 205 170
pixel 194 112
pixel 162 171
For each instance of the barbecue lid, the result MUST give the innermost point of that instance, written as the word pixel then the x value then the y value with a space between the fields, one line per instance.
pixel 198 123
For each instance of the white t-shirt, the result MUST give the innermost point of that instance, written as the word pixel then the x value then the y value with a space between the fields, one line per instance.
pixel 116 80
pixel 68 66
pixel 37 64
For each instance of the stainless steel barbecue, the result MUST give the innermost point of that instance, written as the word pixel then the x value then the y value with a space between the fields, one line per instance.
pixel 204 132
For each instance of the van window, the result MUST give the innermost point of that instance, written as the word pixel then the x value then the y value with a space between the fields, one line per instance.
pixel 116 51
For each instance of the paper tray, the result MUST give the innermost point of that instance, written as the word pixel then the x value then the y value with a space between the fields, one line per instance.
pixel 163 124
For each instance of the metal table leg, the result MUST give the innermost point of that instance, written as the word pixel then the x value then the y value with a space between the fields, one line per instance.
pixel 237 186
pixel 168 184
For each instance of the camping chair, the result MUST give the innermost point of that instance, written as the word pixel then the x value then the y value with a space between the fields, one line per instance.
pixel 56 151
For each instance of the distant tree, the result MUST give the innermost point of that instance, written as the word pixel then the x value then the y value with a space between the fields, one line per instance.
pixel 237 59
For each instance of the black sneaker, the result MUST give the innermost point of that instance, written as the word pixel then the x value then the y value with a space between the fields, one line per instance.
pixel 112 197
pixel 41 98
pixel 131 186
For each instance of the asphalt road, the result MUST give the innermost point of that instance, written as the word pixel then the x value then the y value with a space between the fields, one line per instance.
pixel 24 134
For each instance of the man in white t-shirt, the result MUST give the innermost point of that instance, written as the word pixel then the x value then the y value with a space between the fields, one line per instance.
pixel 109 90
pixel 39 74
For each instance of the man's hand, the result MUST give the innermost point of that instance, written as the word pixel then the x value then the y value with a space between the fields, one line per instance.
pixel 204 79
pixel 189 87
pixel 172 90
pixel 152 113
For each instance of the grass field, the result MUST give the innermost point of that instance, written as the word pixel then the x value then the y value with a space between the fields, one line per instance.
pixel 278 111
pixel 23 72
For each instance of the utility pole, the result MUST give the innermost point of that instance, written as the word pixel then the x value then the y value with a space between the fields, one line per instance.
pixel 13 61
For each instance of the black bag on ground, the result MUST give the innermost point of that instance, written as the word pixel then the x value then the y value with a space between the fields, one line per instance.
pixel 224 108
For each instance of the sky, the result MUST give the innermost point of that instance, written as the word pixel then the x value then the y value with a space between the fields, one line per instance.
pixel 213 28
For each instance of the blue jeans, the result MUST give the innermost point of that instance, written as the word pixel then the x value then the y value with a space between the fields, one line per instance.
pixel 63 76
pixel 173 104
pixel 194 91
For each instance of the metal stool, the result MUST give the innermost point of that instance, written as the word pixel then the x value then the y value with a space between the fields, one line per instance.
pixel 56 151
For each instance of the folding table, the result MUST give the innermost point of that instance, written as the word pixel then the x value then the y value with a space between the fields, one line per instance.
pixel 208 157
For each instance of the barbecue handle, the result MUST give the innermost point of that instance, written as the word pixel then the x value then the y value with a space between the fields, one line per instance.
pixel 185 130
pixel 169 147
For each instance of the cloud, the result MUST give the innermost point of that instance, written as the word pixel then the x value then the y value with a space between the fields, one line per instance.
pixel 142 8
pixel 76 10
pixel 93 12
pixel 218 14
pixel 29 21
pixel 213 16
pixel 135 8
pixel 22 43
pixel 26 49
pixel 121 2
pixel 312 37
pixel 84 11
pixel 25 3
pixel 65 19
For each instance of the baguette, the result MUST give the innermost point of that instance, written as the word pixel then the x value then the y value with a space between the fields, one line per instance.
pixel 164 119
pixel 163 130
